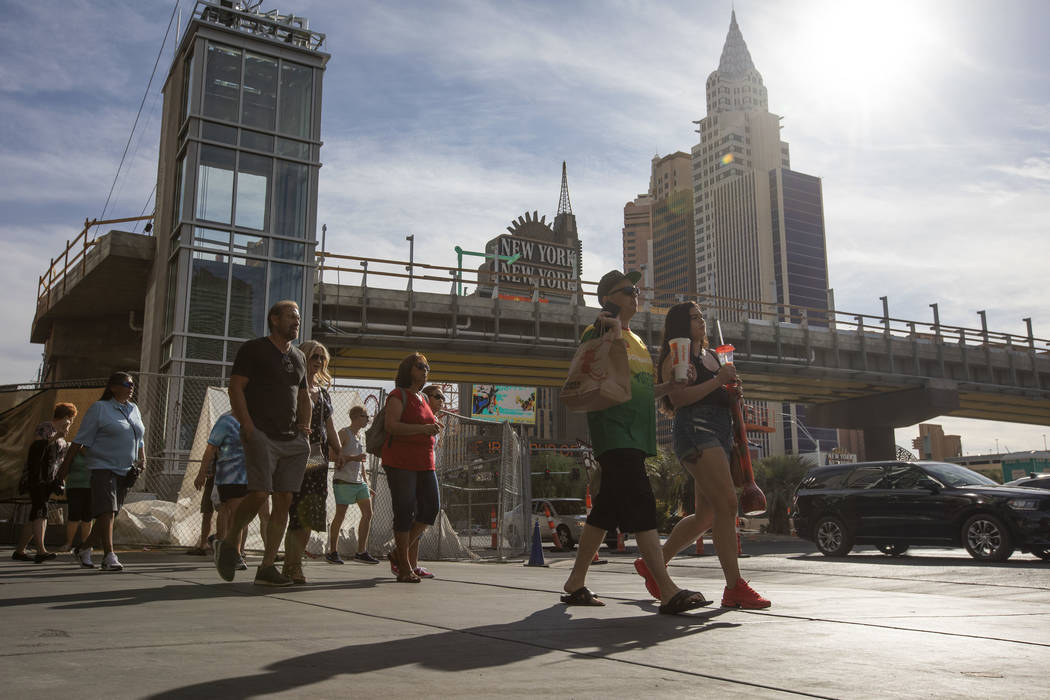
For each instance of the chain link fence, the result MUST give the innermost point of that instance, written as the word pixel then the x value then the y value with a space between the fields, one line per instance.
pixel 479 470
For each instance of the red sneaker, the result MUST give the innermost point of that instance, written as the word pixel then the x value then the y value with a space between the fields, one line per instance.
pixel 743 596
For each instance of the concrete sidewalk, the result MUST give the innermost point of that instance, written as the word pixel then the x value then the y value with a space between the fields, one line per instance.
pixel 932 625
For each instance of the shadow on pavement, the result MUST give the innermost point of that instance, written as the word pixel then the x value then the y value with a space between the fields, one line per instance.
pixel 472 648
pixel 176 592
pixel 912 559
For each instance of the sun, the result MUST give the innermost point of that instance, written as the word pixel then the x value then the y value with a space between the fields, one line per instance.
pixel 867 54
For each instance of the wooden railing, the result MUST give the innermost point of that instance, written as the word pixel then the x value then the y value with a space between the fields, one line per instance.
pixel 75 253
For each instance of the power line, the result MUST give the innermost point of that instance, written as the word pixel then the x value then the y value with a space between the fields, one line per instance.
pixel 160 52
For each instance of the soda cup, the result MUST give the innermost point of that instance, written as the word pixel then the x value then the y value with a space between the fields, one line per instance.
pixel 680 357
pixel 725 353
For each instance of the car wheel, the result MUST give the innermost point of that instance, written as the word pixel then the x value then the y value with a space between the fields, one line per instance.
pixel 565 537
pixel 1043 554
pixel 832 537
pixel 986 538
pixel 893 550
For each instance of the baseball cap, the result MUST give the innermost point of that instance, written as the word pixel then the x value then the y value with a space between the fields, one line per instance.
pixel 613 277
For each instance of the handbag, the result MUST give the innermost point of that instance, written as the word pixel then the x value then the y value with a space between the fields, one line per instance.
pixel 376 435
pixel 133 474
pixel 316 458
pixel 599 376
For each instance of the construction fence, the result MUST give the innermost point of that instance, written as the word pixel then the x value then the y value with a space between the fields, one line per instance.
pixel 481 469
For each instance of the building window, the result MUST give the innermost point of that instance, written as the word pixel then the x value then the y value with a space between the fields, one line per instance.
pixel 209 276
pixel 259 107
pixel 292 199
pixel 253 191
pixel 215 184
pixel 247 298
pixel 286 282
pixel 222 83
pixel 296 104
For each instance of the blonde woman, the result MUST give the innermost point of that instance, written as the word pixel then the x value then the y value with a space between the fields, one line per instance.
pixel 309 507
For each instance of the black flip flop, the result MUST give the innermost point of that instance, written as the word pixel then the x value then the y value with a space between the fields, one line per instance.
pixel 582 596
pixel 683 601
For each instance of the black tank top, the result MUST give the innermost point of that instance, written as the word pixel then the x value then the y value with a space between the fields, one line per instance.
pixel 718 397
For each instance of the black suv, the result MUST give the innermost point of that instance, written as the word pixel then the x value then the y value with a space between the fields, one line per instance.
pixel 894 505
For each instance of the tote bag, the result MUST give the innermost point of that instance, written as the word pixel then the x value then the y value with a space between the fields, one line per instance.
pixel 599 376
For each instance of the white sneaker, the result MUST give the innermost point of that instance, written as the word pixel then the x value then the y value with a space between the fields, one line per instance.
pixel 84 556
pixel 111 563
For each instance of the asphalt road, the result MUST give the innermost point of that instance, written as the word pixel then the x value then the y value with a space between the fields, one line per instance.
pixel 933 623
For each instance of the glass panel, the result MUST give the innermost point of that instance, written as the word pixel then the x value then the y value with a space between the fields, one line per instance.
pixel 231 350
pixel 297 96
pixel 294 149
pixel 260 91
pixel 256 141
pixel 249 245
pixel 204 348
pixel 169 303
pixel 211 239
pixel 291 200
pixel 180 175
pixel 165 352
pixel 286 282
pixel 215 184
pixel 187 86
pixel 247 298
pixel 209 273
pixel 219 132
pixel 288 250
pixel 253 191
pixel 222 83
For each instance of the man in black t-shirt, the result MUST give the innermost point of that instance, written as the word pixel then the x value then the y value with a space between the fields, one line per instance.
pixel 269 397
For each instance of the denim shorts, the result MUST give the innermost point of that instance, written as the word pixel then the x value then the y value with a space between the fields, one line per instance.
pixel 698 427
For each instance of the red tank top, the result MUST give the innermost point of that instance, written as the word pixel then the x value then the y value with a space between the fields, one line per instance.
pixel 414 452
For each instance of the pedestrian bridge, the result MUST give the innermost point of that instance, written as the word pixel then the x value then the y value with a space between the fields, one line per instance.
pixel 854 370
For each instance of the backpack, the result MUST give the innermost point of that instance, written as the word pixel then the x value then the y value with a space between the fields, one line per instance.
pixel 376 435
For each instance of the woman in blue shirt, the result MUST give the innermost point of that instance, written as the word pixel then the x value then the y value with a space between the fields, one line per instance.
pixel 112 436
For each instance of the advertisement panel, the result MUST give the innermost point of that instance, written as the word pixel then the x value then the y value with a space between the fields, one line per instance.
pixel 514 404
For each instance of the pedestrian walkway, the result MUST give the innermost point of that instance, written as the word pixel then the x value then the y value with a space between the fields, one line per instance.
pixel 169 628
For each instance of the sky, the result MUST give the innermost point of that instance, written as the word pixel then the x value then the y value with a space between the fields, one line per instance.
pixel 927 122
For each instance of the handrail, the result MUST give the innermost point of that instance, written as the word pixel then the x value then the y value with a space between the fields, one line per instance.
pixel 804 316
pixel 50 279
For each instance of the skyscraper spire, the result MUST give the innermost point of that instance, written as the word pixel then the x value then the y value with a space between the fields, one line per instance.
pixel 564 207
pixel 736 59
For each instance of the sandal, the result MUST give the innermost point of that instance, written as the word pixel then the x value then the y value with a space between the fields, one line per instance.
pixel 582 596
pixel 408 578
pixel 650 582
pixel 682 601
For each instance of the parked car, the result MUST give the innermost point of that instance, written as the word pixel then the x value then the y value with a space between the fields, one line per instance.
pixel 568 515
pixel 1032 481
pixel 894 505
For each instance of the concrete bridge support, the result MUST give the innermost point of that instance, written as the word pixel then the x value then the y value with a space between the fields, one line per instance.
pixel 878 414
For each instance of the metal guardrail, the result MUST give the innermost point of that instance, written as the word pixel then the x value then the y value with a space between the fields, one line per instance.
pixel 724 307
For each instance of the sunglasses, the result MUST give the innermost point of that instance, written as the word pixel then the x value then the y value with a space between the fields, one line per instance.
pixel 632 291
pixel 420 365
pixel 127 385
pixel 319 358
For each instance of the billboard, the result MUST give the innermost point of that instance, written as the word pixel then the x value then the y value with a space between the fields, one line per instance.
pixel 514 404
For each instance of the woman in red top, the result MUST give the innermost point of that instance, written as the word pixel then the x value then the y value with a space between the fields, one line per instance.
pixel 408 460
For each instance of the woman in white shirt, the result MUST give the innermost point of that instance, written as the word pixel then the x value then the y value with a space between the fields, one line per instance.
pixel 349 486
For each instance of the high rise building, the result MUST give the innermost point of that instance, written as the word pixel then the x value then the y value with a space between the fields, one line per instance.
pixel 236 191
pixel 759 225
pixel 933 444
pixel 637 233
pixel 673 250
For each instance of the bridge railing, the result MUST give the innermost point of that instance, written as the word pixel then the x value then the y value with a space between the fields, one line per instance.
pixel 416 276
pixel 73 255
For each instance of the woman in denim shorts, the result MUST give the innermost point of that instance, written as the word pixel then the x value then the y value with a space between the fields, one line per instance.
pixel 703 440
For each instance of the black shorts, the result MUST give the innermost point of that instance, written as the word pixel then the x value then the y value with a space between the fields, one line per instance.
pixel 206 503
pixel 79 502
pixel 231 491
pixel 38 496
pixel 108 489
pixel 625 499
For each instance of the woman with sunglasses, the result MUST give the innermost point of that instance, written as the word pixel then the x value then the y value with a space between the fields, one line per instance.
pixel 703 441
pixel 309 509
pixel 408 460
pixel 112 436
